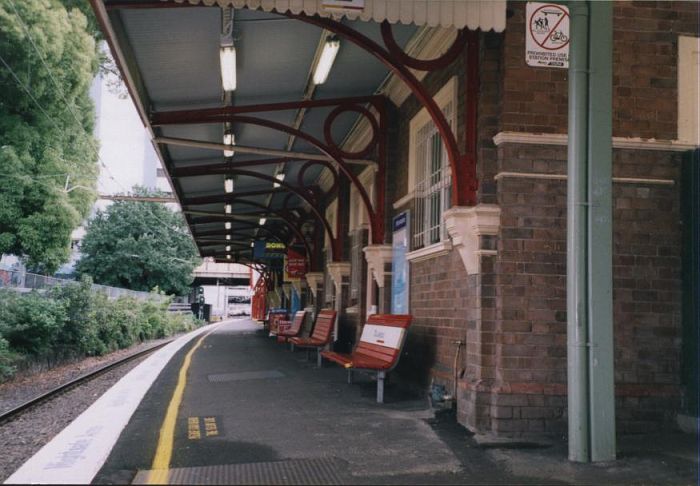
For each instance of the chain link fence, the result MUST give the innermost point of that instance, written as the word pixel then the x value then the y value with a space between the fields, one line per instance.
pixel 31 281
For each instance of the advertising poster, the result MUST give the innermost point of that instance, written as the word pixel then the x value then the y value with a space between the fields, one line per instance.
pixel 294 265
pixel 399 265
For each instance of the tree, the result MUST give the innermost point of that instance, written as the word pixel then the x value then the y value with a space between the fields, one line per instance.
pixel 139 245
pixel 49 59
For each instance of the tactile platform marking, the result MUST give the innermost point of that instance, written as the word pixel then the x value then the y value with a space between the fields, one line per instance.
pixel 245 375
pixel 298 471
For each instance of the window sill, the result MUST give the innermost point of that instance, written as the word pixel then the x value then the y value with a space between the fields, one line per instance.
pixel 410 195
pixel 432 251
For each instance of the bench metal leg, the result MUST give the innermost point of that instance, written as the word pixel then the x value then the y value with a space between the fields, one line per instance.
pixel 291 346
pixel 308 352
pixel 349 377
pixel 319 359
pixel 380 386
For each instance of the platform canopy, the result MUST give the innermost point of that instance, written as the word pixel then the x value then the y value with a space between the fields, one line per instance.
pixel 169 56
pixel 472 14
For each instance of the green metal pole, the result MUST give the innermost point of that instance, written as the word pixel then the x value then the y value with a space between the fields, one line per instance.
pixel 600 235
pixel 576 282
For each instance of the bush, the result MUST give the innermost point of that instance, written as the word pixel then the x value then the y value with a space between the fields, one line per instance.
pixel 74 321
pixel 31 323
pixel 8 360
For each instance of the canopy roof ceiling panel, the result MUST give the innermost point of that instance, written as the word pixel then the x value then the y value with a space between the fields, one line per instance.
pixel 171 60
pixel 176 50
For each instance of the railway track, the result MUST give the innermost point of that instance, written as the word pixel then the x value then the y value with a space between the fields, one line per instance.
pixel 45 397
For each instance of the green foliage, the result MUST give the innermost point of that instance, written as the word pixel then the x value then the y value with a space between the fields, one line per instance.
pixel 139 246
pixel 46 118
pixel 30 323
pixel 75 321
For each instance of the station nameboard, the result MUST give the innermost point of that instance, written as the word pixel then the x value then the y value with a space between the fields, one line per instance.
pixel 269 249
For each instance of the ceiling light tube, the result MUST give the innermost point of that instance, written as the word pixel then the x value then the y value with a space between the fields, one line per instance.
pixel 325 62
pixel 279 177
pixel 228 184
pixel 228 257
pixel 227 225
pixel 229 139
pixel 228 248
pixel 228 237
pixel 227 56
pixel 227 208
pixel 262 221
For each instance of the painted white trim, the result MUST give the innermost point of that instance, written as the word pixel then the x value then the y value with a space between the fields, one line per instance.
pixel 561 139
pixel 688 96
pixel 432 251
pixel 563 177
pixel 484 15
pixel 404 200
pixel 427 43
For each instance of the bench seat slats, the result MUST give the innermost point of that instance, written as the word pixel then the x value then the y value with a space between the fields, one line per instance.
pixel 295 327
pixel 321 334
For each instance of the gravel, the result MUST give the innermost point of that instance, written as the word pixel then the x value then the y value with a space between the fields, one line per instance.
pixel 23 436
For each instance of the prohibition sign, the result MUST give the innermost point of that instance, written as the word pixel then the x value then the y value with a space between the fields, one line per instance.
pixel 545 37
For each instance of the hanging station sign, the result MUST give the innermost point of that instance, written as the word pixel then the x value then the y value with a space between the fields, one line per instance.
pixel 547 35
pixel 269 249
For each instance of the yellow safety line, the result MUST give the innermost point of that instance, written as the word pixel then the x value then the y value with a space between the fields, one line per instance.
pixel 164 451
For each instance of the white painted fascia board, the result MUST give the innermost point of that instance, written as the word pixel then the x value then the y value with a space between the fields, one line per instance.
pixel 562 139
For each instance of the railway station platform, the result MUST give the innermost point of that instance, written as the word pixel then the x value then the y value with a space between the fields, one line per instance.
pixel 232 406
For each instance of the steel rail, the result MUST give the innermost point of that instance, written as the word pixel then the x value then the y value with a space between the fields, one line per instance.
pixel 44 397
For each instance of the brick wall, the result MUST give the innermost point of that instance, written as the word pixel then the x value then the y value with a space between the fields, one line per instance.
pixel 645 60
pixel 530 332
pixel 438 300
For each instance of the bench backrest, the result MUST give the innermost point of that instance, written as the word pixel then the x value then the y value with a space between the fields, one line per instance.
pixel 324 325
pixel 297 322
pixel 383 336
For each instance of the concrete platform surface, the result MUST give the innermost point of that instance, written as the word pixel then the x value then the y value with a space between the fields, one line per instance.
pixel 253 412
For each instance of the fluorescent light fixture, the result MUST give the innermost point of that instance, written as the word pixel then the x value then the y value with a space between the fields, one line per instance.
pixel 279 177
pixel 228 248
pixel 228 257
pixel 228 184
pixel 228 237
pixel 325 62
pixel 227 209
pixel 229 139
pixel 252 244
pixel 262 221
pixel 227 225
pixel 227 56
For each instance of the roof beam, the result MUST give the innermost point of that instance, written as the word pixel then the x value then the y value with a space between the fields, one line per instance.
pixel 219 114
pixel 224 168
pixel 185 142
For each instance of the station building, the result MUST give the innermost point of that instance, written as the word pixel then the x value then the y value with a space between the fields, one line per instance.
pixel 347 168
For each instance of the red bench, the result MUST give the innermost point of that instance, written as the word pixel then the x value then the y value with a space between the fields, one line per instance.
pixel 321 335
pixel 379 348
pixel 287 329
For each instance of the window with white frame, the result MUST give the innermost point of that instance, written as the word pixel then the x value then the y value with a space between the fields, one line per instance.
pixel 429 171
